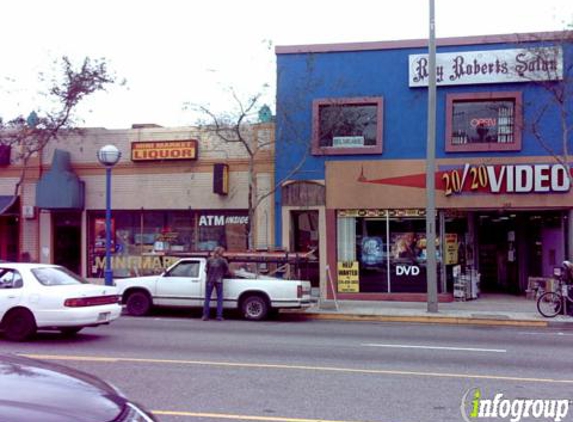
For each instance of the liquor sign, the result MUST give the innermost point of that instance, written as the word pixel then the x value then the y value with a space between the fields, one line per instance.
pixel 164 150
pixel 489 67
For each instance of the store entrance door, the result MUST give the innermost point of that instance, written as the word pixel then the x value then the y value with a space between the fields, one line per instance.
pixel 305 239
pixel 67 235
pixel 497 249
pixel 514 246
pixel 8 239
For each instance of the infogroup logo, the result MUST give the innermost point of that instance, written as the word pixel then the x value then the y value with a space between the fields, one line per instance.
pixel 475 406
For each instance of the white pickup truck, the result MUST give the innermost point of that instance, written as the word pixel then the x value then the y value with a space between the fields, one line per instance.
pixel 183 285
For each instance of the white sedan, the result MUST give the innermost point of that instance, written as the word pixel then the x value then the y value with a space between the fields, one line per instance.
pixel 50 297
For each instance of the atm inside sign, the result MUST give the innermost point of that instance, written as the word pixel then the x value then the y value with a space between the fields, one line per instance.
pixel 164 150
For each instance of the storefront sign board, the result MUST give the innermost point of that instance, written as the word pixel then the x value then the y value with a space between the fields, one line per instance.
pixel 489 67
pixel 507 178
pixel 367 189
pixel 210 220
pixel 164 150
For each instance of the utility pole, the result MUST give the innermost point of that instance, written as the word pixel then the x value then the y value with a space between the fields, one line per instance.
pixel 431 267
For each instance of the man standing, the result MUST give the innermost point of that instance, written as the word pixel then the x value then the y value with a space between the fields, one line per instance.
pixel 217 268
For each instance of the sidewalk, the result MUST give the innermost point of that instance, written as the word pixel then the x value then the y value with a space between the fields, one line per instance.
pixel 500 310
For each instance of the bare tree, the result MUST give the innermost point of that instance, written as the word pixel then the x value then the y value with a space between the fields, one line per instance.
pixel 555 106
pixel 235 128
pixel 28 136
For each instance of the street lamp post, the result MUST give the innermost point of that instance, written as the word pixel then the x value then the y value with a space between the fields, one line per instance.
pixel 108 156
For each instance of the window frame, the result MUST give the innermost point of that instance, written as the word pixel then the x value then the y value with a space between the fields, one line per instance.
pixel 365 150
pixel 515 96
pixel 16 281
pixel 194 264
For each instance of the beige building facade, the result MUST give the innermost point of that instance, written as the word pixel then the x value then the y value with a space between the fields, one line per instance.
pixel 174 190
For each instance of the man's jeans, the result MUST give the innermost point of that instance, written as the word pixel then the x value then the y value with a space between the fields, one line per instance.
pixel 208 293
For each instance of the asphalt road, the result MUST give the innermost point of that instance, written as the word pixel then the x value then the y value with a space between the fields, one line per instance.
pixel 185 369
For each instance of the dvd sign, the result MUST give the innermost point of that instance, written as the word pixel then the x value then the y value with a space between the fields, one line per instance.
pixel 407 270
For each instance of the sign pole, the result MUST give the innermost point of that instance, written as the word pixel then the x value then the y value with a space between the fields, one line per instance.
pixel 431 265
pixel 331 284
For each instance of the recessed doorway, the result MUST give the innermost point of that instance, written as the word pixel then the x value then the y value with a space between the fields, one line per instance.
pixel 67 239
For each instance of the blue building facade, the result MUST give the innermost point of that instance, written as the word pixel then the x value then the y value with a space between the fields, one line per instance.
pixel 351 148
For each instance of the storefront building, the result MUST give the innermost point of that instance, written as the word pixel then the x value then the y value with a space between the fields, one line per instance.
pixel 502 176
pixel 174 190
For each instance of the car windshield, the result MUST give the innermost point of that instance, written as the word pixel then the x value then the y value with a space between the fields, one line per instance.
pixel 56 276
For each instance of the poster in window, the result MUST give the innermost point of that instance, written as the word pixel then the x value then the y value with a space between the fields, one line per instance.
pixel 408 245
pixel 100 234
pixel 348 277
pixel 372 251
pixel 451 247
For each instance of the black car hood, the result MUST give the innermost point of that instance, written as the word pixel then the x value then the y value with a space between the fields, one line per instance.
pixel 39 391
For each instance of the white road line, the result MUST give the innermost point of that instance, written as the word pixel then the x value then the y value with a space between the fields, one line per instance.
pixel 545 334
pixel 456 349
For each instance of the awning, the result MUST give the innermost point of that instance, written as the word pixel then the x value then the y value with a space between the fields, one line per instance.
pixel 60 188
pixel 9 205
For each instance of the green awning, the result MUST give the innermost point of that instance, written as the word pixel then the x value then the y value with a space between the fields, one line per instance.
pixel 60 188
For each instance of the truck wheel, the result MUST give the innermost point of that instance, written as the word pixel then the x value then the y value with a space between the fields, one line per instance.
pixel 19 325
pixel 254 308
pixel 138 304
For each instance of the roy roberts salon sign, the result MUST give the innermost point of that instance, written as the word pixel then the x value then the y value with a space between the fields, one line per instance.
pixel 489 67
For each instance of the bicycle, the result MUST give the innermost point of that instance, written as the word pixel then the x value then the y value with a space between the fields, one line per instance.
pixel 551 304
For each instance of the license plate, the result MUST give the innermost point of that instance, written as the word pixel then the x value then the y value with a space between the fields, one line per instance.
pixel 103 316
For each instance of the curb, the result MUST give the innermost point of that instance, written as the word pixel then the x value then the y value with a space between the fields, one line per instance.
pixel 451 320
pixel 560 324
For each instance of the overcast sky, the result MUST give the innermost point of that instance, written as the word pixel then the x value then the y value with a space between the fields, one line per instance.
pixel 171 52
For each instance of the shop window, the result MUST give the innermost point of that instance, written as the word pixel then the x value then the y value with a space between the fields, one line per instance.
pixel 10 279
pixel 185 269
pixel 227 229
pixel 347 126
pixel 346 238
pixel 484 122
pixel 147 242
pixel 384 251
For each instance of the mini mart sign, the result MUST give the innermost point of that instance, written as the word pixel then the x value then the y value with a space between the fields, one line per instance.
pixel 489 67
pixel 164 150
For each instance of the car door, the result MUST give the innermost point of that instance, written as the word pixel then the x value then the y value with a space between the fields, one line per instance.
pixel 181 285
pixel 11 284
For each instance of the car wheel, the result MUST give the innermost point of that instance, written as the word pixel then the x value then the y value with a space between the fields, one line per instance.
pixel 254 308
pixel 19 325
pixel 138 304
pixel 70 331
